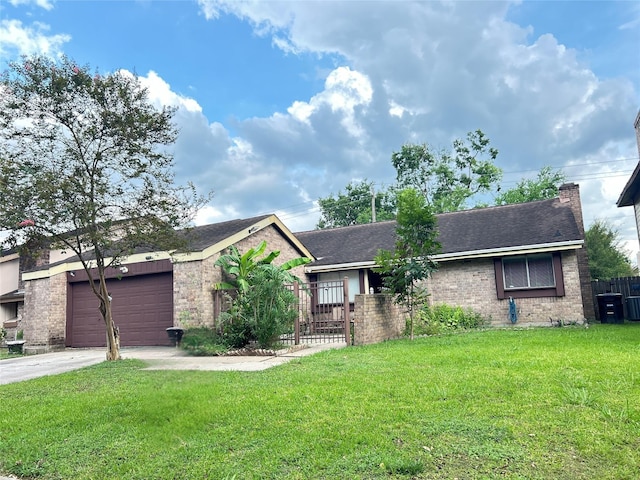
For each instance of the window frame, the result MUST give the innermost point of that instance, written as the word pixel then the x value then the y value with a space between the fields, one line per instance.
pixel 530 292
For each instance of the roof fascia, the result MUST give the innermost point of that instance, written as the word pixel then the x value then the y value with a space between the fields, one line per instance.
pixel 504 251
pixel 339 266
pixel 445 257
pixel 71 266
pixel 629 191
pixel 8 258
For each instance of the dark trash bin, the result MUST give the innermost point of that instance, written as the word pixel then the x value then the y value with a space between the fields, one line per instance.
pixel 610 308
pixel 633 308
pixel 175 335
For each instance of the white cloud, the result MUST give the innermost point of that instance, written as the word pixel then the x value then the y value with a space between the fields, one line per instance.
pixel 160 93
pixel 344 91
pixel 46 4
pixel 212 214
pixel 17 39
pixel 428 71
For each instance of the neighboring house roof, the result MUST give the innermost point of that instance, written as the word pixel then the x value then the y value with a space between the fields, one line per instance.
pixel 203 241
pixel 632 188
pixel 12 297
pixel 479 232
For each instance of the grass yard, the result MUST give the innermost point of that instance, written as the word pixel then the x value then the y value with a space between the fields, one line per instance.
pixel 554 403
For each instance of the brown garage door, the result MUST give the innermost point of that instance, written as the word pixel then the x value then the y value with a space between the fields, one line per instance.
pixel 142 309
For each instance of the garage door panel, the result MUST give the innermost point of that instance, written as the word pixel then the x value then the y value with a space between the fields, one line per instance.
pixel 142 308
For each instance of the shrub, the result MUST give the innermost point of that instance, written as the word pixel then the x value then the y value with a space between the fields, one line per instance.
pixel 447 318
pixel 203 341
pixel 236 332
pixel 264 307
pixel 269 308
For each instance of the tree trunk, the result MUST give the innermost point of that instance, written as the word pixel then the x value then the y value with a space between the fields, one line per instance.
pixel 411 304
pixel 410 324
pixel 113 335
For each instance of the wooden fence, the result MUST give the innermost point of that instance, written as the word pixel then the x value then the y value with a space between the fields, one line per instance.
pixel 627 286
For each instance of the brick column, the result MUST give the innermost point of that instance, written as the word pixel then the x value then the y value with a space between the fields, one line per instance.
pixel 570 192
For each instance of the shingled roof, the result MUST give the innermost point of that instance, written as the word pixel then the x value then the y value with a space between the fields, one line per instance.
pixel 354 244
pixel 204 236
pixel 213 237
pixel 544 222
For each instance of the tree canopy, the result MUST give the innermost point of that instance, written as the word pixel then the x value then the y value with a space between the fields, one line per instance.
pixel 354 206
pixel 86 166
pixel 447 180
pixel 543 187
pixel 607 257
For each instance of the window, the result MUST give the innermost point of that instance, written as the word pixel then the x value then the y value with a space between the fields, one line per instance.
pixel 328 281
pixel 531 271
pixel 529 276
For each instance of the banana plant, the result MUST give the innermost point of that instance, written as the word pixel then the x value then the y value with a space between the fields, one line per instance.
pixel 243 266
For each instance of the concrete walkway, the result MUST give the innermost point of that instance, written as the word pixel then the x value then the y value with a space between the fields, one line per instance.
pixel 158 358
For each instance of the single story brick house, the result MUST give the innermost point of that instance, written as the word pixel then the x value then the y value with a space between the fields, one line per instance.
pixel 151 291
pixel 531 252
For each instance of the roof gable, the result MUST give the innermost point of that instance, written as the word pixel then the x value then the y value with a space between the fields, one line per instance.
pixel 202 242
pixel 213 238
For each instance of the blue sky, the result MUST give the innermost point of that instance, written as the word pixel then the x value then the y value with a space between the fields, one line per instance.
pixel 284 102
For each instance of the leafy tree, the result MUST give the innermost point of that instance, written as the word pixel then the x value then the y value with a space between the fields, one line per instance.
pixel 543 187
pixel 264 306
pixel 86 168
pixel 410 262
pixel 607 258
pixel 448 180
pixel 353 207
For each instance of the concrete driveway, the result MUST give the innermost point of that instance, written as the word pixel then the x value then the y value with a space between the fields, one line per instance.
pixel 157 358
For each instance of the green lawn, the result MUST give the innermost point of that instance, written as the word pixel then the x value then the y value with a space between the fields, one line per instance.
pixel 555 403
pixel 4 353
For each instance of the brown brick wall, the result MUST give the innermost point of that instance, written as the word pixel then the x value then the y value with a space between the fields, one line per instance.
pixel 472 284
pixel 192 297
pixel 45 313
pixel 377 318
pixel 193 281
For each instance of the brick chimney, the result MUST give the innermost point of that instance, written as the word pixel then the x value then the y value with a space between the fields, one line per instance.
pixel 570 193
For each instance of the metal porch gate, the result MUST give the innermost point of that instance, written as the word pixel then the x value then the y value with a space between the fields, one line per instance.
pixel 323 313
